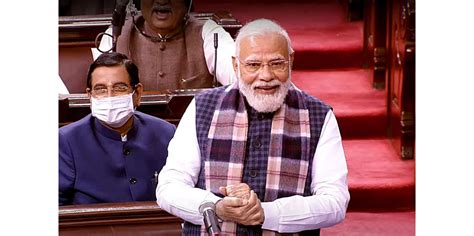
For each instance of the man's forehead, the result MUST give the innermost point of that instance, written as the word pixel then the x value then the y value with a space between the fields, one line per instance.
pixel 110 75
pixel 109 83
pixel 269 43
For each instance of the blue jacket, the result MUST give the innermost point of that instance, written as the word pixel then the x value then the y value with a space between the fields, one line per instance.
pixel 96 166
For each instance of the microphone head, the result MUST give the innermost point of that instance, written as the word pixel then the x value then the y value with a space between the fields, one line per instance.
pixel 118 17
pixel 216 37
pixel 207 206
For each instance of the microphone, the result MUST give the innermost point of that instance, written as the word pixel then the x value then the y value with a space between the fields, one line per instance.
pixel 118 18
pixel 208 211
pixel 190 6
pixel 215 58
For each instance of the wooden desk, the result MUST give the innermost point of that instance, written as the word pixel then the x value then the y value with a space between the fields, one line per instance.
pixel 128 218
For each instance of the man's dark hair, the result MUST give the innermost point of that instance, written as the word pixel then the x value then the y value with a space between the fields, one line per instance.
pixel 114 59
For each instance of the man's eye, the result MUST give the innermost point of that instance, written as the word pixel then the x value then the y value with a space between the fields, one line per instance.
pixel 275 63
pixel 100 90
pixel 253 65
pixel 278 65
pixel 121 88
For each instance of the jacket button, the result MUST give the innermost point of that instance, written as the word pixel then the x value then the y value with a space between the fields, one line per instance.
pixel 256 144
pixel 126 152
pixel 161 73
pixel 253 173
pixel 133 180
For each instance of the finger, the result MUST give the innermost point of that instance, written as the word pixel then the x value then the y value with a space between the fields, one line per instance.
pixel 239 190
pixel 234 202
pixel 254 218
pixel 253 198
pixel 240 193
pixel 230 208
pixel 223 190
pixel 257 218
pixel 251 203
pixel 254 212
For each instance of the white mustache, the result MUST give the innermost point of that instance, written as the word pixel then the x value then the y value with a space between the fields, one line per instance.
pixel 266 84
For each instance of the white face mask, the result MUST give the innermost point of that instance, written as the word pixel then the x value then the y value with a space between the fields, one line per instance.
pixel 114 111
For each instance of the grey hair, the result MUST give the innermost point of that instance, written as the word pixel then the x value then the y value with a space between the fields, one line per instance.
pixel 261 27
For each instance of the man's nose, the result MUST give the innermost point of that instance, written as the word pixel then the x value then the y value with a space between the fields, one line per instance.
pixel 110 92
pixel 266 73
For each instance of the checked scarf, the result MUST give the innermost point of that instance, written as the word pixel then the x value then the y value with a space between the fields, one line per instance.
pixel 289 153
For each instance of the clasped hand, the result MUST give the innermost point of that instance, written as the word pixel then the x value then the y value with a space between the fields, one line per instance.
pixel 240 205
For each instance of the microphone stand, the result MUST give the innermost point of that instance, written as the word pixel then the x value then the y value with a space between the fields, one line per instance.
pixel 215 84
pixel 208 211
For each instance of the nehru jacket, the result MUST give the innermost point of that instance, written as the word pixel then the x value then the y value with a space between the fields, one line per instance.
pixel 97 165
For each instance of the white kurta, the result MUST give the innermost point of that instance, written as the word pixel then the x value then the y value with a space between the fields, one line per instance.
pixel 176 192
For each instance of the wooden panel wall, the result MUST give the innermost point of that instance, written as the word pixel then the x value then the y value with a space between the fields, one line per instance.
pixel 389 49
pixel 354 9
pixel 400 75
pixel 375 35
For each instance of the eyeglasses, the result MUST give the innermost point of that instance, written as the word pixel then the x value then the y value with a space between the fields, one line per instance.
pixel 117 90
pixel 276 66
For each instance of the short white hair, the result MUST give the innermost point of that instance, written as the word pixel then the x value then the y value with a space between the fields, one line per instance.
pixel 261 27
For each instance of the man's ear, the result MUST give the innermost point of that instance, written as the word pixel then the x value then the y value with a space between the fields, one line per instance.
pixel 292 57
pixel 137 96
pixel 235 66
pixel 89 93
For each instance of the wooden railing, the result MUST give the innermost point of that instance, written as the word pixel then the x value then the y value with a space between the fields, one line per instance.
pixel 128 218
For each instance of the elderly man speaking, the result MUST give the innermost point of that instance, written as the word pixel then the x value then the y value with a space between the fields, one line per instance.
pixel 267 156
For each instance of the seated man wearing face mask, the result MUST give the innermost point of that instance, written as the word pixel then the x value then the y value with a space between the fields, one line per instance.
pixel 115 153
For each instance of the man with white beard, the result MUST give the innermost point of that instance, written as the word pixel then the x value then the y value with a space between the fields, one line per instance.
pixel 268 156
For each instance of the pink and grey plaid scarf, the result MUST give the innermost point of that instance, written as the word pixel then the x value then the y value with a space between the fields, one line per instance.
pixel 289 152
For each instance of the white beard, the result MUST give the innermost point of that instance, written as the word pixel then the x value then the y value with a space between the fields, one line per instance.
pixel 265 102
